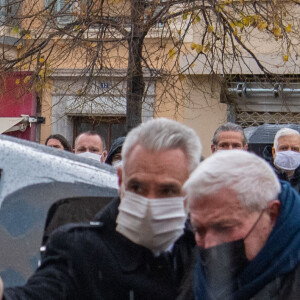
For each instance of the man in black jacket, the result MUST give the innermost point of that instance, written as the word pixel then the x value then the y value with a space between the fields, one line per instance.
pixel 247 229
pixel 286 156
pixel 136 248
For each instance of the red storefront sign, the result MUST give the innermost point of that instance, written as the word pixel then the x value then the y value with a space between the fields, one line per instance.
pixel 17 99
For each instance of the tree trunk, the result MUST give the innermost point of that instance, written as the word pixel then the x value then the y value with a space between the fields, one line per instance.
pixel 135 78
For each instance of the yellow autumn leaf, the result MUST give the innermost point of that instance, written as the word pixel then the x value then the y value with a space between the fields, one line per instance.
pixel 19 46
pixel 41 60
pixel 219 7
pixel 285 57
pixel 26 79
pixel 262 25
pixel 17 81
pixel 276 31
pixel 197 19
pixel 239 24
pixel 192 65
pixel 207 47
pixel 199 48
pixel 25 66
pixel 181 77
pixel 246 21
pixel 27 36
pixel 235 32
pixel 210 29
pixel 289 28
pixel 172 53
pixel 38 87
pixel 56 39
pixel 16 30
pixel 193 46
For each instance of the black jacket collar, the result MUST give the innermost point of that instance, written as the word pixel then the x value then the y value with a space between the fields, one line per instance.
pixel 128 254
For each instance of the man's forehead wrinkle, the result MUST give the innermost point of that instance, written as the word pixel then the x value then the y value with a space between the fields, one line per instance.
pixel 215 218
pixel 217 211
pixel 220 220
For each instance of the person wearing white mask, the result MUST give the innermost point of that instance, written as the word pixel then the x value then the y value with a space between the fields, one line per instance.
pixel 141 245
pixel 228 137
pixel 286 156
pixel 114 156
pixel 91 145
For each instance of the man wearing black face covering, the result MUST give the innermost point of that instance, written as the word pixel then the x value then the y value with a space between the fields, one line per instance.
pixel 247 228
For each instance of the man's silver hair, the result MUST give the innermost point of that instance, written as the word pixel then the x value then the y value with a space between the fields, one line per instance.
pixel 249 176
pixel 229 127
pixel 163 134
pixel 284 132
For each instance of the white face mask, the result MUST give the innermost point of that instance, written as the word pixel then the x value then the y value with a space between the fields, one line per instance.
pixel 90 155
pixel 153 223
pixel 287 160
pixel 116 163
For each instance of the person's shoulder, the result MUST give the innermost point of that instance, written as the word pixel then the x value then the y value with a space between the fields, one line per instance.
pixel 77 228
pixel 69 233
pixel 73 238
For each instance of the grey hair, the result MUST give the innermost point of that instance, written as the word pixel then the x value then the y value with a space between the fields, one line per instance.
pixel 284 132
pixel 229 127
pixel 164 134
pixel 249 176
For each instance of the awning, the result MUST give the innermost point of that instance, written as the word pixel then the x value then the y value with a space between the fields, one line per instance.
pixel 12 124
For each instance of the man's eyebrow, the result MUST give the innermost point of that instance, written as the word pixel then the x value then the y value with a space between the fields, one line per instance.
pixel 170 185
pixel 133 181
pixel 225 222
pixel 216 223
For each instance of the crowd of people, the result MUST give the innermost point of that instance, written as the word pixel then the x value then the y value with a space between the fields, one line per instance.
pixel 91 145
pixel 227 227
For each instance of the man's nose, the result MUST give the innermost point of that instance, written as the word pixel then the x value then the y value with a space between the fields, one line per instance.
pixel 151 195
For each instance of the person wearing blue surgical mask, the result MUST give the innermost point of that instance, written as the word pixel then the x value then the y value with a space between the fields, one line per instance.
pixel 286 155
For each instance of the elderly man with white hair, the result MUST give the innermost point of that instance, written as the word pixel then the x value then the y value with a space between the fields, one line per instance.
pixel 286 156
pixel 247 229
pixel 140 246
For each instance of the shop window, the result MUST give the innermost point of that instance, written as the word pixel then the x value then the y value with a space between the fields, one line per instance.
pixel 8 11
